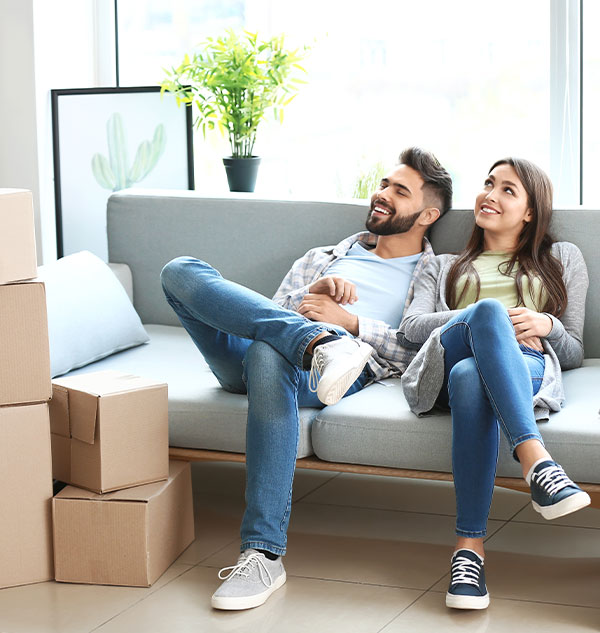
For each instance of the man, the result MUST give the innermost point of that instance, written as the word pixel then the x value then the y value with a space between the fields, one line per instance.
pixel 336 312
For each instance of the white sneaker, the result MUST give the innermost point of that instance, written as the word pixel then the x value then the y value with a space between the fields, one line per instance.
pixel 249 583
pixel 335 366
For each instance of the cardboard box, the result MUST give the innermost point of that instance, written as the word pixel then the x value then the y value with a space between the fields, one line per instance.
pixel 17 236
pixel 110 430
pixel 128 537
pixel 24 348
pixel 25 495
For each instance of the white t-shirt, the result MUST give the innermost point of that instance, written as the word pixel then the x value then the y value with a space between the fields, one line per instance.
pixel 381 284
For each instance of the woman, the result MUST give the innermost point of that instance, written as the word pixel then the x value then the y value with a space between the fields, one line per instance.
pixel 497 323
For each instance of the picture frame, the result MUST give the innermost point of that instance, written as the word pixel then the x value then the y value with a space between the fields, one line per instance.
pixel 108 139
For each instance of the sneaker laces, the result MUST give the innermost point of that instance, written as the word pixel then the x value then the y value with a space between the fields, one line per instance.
pixel 244 567
pixel 316 369
pixel 551 479
pixel 465 571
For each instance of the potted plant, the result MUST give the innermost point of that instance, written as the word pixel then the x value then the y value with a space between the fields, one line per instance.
pixel 233 81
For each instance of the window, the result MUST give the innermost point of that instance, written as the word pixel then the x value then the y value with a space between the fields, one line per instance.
pixel 469 82
pixel 591 104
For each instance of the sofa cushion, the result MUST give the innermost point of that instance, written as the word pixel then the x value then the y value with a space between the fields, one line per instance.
pixel 201 413
pixel 375 427
pixel 90 315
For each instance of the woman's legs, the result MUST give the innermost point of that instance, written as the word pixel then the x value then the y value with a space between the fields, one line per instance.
pixel 491 381
pixel 475 447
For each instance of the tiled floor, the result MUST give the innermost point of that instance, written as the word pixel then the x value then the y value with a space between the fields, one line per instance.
pixel 366 554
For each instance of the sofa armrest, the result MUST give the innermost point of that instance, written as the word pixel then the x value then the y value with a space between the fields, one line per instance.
pixel 123 274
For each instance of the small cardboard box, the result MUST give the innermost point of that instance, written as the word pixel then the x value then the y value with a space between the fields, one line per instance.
pixel 110 430
pixel 25 495
pixel 24 348
pixel 17 236
pixel 128 537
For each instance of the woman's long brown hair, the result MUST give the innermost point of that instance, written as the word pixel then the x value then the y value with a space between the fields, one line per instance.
pixel 532 255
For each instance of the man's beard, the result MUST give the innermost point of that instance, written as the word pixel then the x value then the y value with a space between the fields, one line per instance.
pixel 393 225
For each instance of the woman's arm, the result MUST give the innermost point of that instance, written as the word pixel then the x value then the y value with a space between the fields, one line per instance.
pixel 421 317
pixel 566 335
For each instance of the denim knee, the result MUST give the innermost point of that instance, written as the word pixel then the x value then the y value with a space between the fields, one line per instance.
pixel 488 309
pixel 464 383
pixel 175 274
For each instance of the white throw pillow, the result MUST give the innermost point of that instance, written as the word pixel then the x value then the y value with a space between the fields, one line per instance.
pixel 90 315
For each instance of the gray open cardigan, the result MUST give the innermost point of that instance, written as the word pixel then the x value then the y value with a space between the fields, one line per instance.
pixel 429 311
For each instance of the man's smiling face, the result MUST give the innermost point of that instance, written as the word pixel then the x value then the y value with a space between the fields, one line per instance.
pixel 397 202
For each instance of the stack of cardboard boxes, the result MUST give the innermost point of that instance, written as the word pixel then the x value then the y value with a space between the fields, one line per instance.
pixel 25 388
pixel 128 512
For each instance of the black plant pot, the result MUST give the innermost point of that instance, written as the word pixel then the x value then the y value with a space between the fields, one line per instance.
pixel 241 172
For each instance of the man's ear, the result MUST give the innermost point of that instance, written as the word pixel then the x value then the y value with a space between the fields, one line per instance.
pixel 429 216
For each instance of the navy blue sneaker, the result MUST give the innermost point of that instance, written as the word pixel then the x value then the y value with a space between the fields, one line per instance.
pixel 553 494
pixel 467 582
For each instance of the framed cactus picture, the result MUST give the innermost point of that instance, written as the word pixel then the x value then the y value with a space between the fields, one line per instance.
pixel 109 139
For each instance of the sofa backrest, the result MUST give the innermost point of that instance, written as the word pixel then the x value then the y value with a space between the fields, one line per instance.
pixel 255 242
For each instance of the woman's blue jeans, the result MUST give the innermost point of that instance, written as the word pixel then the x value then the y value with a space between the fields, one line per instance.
pixel 489 383
pixel 253 346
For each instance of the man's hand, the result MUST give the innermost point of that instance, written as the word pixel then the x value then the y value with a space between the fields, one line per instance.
pixel 322 307
pixel 528 323
pixel 341 290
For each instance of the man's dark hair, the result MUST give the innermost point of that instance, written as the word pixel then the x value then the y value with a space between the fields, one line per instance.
pixel 437 181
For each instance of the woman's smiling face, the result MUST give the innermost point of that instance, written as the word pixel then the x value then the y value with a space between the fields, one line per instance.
pixel 502 207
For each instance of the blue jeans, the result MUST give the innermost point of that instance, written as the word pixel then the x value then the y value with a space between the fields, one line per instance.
pixel 253 346
pixel 489 382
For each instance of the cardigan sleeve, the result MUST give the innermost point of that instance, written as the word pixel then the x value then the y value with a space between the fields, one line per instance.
pixel 566 336
pixel 425 312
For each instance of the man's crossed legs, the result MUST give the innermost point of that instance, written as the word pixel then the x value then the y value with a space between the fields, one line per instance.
pixel 254 346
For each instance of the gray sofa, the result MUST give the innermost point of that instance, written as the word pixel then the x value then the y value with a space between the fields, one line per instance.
pixel 255 242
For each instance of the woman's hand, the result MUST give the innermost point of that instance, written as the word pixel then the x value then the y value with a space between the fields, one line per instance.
pixel 534 343
pixel 528 323
pixel 341 290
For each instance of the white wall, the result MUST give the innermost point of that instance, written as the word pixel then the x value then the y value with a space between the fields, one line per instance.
pixel 18 134
pixel 45 45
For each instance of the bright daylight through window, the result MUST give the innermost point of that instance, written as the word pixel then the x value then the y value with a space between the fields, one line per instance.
pixel 472 85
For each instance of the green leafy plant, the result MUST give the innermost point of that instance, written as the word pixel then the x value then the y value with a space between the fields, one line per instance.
pixel 233 81
pixel 113 173
pixel 368 180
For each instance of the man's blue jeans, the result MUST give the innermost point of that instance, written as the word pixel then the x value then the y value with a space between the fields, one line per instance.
pixel 489 383
pixel 253 346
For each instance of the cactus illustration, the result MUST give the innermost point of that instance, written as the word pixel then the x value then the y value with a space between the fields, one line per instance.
pixel 113 173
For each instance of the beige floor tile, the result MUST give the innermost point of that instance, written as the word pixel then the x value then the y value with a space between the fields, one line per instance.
pixel 588 517
pixel 379 562
pixel 429 614
pixel 55 607
pixel 368 524
pixel 219 505
pixel 543 563
pixel 229 479
pixel 215 529
pixel 301 605
pixel 400 549
pixel 546 540
pixel 413 495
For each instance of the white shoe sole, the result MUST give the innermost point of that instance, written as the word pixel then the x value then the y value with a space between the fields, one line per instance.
pixel 239 603
pixel 467 602
pixel 566 506
pixel 332 390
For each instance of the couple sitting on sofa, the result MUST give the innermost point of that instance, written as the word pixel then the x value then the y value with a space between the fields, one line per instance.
pixel 485 333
